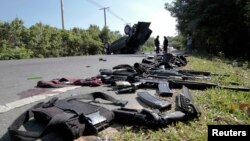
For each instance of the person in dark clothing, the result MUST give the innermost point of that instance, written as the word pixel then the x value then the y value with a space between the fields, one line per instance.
pixel 157 44
pixel 165 45
pixel 189 43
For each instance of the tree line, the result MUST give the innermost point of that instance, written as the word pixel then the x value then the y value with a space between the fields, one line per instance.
pixel 42 41
pixel 217 26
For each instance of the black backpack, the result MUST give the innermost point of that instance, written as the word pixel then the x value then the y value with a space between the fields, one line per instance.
pixel 64 119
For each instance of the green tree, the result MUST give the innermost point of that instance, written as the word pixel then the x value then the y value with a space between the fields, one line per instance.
pixel 177 42
pixel 216 25
pixel 94 32
pixel 114 35
pixel 105 34
pixel 55 41
pixel 17 41
pixel 13 40
pixel 149 45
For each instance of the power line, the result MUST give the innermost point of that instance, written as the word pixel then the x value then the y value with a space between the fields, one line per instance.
pixel 95 3
pixel 109 10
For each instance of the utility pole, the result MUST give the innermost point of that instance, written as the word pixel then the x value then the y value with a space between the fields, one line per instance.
pixel 62 14
pixel 104 10
pixel 106 44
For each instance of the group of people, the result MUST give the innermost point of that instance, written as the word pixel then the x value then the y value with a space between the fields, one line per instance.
pixel 189 42
pixel 157 44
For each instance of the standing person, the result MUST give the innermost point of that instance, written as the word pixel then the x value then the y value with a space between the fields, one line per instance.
pixel 157 44
pixel 165 45
pixel 189 43
pixel 107 48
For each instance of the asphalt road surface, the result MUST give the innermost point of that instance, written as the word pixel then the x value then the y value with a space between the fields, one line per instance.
pixel 17 76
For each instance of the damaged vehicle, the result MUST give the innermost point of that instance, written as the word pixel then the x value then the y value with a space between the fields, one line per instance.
pixel 135 37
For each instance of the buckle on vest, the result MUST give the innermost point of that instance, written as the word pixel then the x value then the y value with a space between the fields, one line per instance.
pixel 120 103
pixel 96 119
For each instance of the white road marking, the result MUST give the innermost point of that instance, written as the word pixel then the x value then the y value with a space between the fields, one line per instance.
pixel 28 100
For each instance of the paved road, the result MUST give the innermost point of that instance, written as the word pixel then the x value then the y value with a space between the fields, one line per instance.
pixel 20 75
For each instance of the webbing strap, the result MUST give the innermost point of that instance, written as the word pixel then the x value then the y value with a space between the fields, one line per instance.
pixel 93 96
pixel 56 120
pixel 16 134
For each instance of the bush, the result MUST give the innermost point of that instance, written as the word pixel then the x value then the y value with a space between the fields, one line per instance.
pixel 15 53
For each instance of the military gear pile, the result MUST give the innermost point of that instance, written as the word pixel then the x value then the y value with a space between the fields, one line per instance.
pixel 65 119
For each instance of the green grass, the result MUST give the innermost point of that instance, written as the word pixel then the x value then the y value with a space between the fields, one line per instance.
pixel 218 106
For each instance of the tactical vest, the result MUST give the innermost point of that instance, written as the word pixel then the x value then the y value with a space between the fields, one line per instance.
pixel 65 119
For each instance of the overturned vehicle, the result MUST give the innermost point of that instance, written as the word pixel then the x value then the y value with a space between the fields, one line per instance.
pixel 135 37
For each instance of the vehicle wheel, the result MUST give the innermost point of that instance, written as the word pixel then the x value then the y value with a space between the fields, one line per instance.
pixel 127 29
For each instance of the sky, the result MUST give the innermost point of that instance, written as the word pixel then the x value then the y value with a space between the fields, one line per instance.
pixel 83 13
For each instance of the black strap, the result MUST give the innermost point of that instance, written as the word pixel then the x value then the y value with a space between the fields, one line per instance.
pixel 16 134
pixel 93 96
